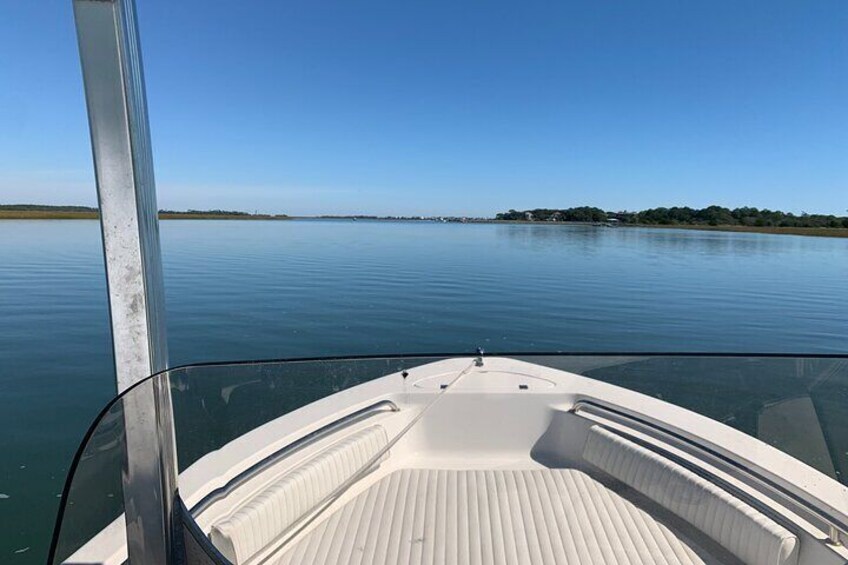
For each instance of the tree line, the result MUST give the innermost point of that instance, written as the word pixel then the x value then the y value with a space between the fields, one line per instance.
pixel 45 208
pixel 216 212
pixel 90 209
pixel 681 215
pixel 579 214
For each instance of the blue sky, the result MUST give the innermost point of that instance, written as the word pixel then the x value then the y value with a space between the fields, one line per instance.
pixel 450 107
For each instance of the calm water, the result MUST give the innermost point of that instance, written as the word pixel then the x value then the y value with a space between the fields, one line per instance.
pixel 241 290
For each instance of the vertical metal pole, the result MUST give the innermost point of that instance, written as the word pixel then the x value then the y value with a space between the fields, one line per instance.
pixel 120 138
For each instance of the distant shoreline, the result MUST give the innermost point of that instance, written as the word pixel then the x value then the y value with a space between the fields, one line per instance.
pixel 93 215
pixel 774 230
pixel 56 215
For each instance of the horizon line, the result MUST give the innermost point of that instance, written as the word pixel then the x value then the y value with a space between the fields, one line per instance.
pixel 21 206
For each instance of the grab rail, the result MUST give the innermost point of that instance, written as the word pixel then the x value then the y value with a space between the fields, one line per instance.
pixel 289 449
pixel 835 527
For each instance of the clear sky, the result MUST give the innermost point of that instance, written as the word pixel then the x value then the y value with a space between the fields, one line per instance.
pixel 450 106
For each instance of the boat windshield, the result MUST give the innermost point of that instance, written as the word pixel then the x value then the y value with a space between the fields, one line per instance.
pixel 234 422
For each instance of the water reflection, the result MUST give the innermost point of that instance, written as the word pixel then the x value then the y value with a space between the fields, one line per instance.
pixel 663 240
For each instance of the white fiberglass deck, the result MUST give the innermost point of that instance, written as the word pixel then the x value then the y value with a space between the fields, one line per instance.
pixel 564 516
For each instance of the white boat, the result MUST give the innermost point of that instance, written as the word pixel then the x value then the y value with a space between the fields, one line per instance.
pixel 475 459
pixel 470 460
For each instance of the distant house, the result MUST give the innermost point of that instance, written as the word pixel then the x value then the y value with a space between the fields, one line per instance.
pixel 528 216
pixel 555 217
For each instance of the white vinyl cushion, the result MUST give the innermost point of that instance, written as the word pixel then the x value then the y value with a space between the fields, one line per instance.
pixel 746 533
pixel 550 516
pixel 265 516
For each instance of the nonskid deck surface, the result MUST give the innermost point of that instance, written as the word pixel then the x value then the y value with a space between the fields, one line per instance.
pixel 425 516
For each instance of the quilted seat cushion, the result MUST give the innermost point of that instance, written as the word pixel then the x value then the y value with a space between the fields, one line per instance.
pixel 260 521
pixel 745 532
